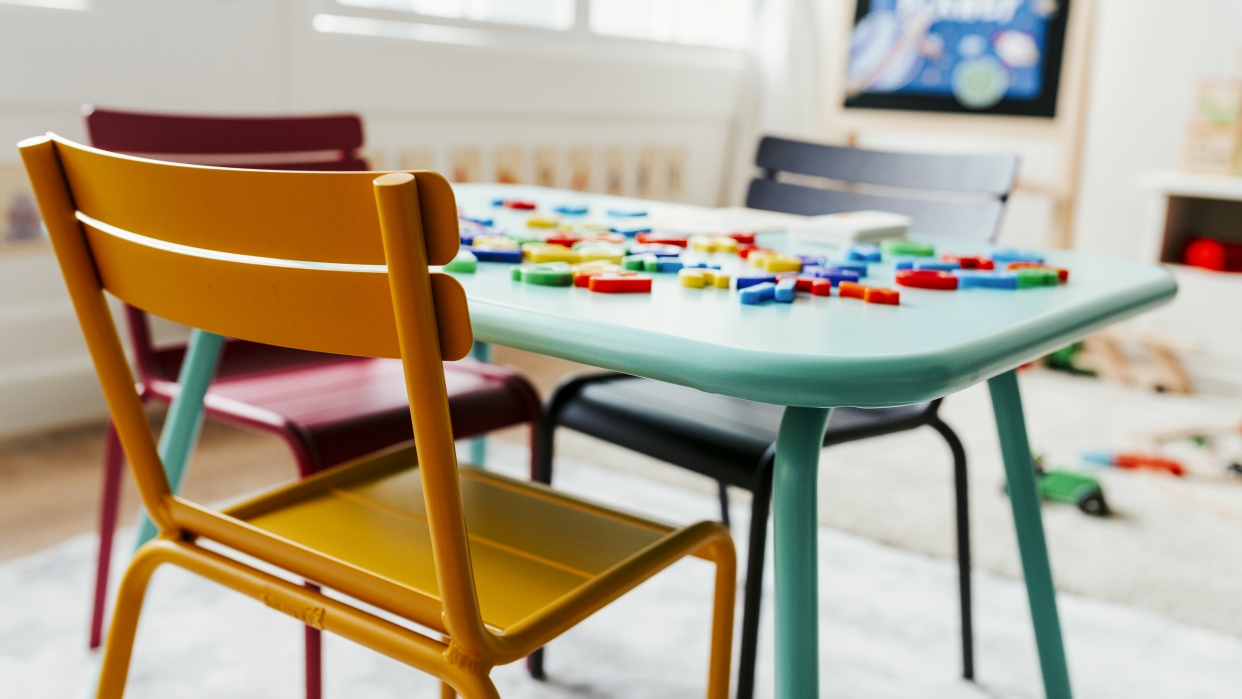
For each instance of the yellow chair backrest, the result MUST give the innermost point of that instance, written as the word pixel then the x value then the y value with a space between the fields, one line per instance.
pixel 325 261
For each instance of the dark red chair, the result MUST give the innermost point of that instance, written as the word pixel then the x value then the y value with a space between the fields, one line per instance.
pixel 328 408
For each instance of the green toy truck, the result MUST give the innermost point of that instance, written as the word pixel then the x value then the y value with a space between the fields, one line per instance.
pixel 1074 488
pixel 1080 490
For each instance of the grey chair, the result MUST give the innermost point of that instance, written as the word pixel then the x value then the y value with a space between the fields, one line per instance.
pixel 733 440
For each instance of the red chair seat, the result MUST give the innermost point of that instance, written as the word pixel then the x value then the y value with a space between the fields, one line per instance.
pixel 341 408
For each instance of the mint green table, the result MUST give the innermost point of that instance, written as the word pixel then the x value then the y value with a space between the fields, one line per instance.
pixel 813 355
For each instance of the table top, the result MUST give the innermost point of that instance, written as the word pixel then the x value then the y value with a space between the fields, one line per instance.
pixel 815 352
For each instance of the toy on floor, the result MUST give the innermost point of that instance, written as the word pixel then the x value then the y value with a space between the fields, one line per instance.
pixel 1137 358
pixel 1078 489
pixel 1067 359
pixel 1220 444
pixel 1135 461
pixel 1070 487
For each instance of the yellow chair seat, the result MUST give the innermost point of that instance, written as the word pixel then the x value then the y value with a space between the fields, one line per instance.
pixel 529 545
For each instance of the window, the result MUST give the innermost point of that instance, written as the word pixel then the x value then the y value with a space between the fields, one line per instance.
pixel 543 14
pixel 721 23
pixel 715 24
pixel 52 4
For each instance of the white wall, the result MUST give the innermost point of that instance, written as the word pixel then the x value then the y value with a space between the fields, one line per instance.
pixel 1150 56
pixel 252 56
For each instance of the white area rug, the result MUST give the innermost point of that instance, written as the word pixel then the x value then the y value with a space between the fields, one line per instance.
pixel 888 623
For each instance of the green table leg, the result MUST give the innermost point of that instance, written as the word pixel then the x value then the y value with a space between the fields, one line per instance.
pixel 1024 499
pixel 481 351
pixel 794 494
pixel 185 416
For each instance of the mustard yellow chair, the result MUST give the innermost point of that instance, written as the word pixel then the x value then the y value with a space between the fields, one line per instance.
pixel 338 262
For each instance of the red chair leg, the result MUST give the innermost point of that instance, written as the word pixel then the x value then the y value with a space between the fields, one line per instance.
pixel 308 463
pixel 304 451
pixel 314 657
pixel 114 461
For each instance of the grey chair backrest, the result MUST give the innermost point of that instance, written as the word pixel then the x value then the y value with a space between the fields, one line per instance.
pixel 957 196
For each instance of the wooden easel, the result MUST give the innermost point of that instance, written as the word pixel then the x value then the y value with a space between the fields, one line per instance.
pixel 843 125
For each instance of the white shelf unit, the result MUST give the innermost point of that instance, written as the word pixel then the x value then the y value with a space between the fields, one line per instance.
pixel 1206 315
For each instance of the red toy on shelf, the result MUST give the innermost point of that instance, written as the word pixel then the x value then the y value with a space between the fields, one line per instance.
pixel 1213 254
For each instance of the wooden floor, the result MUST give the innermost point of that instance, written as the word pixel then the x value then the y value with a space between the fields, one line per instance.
pixel 49 482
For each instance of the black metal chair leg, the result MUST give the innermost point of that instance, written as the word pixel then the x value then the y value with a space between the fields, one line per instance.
pixel 961 490
pixel 752 595
pixel 541 472
pixel 534 665
pixel 724 504
pixel 541 463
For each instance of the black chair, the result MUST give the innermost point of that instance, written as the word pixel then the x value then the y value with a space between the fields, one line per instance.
pixel 733 440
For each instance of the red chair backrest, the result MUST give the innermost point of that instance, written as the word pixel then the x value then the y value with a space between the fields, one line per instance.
pixel 320 142
pixel 323 142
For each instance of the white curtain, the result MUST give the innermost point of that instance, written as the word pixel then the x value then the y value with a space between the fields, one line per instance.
pixel 789 58
pixel 784 92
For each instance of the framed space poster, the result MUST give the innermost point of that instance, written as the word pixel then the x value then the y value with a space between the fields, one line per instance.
pixel 964 56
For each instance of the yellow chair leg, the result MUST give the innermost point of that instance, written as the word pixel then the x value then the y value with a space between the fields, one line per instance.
pixel 472 687
pixel 446 689
pixel 120 645
pixel 723 603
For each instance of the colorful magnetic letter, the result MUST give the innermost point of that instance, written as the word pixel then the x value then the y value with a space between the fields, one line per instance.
pixel 548 274
pixel 864 253
pixel 758 293
pixel 1038 276
pixel 836 276
pixel 620 284
pixel 693 278
pixel 938 265
pixel 1004 256
pixel 898 247
pixel 465 262
pixel 661 239
pixel 543 252
pixel 849 290
pixel 489 253
pixel 785 289
pixel 987 280
pixel 888 297
pixel 750 280
pixel 927 279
